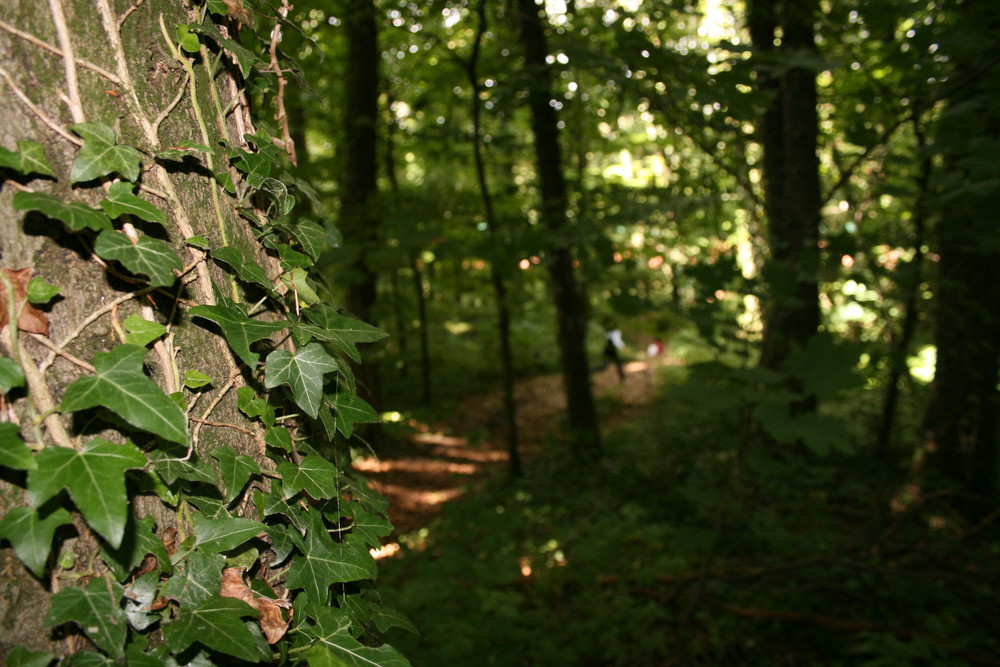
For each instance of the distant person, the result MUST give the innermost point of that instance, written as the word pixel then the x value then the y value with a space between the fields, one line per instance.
pixel 612 344
pixel 655 348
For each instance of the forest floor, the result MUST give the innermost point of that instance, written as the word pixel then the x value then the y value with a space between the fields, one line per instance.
pixel 436 463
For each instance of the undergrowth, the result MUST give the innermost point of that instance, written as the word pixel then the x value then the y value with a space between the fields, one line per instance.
pixel 693 543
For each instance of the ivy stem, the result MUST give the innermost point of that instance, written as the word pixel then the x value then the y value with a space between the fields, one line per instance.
pixel 69 60
pixel 41 399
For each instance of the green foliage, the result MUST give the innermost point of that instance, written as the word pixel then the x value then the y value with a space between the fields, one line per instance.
pixel 153 593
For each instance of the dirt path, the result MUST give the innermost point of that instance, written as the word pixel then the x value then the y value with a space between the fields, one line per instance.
pixel 442 461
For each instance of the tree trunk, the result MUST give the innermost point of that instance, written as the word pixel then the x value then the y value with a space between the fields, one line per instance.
pixel 961 420
pixel 788 135
pixel 571 311
pixel 359 215
pixel 131 464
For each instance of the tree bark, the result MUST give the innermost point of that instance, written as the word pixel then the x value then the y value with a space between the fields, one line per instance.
pixel 359 215
pixel 962 419
pixel 788 135
pixel 571 311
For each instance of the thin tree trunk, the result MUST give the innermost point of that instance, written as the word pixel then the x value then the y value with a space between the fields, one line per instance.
pixel 571 314
pixel 496 275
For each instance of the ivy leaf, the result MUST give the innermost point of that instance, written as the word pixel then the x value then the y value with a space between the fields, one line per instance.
pixel 196 579
pixel 370 526
pixel 101 154
pixel 31 536
pixel 140 540
pixel 120 201
pixel 187 40
pixel 96 610
pixel 13 452
pixel 192 470
pixel 240 331
pixel 40 291
pixel 298 280
pixel 30 159
pixel 147 255
pixel 197 241
pixel 343 331
pixel 216 623
pixel 87 659
pixel 255 406
pixel 303 372
pixel 75 215
pixel 236 470
pixel 313 238
pixel 279 437
pixel 22 657
pixel 247 271
pixel 182 149
pixel 194 379
pixel 351 409
pixel 141 331
pixel 217 535
pixel 324 562
pixel 94 477
pixel 315 475
pixel 11 375
pixel 139 598
pixel 334 646
pixel 120 385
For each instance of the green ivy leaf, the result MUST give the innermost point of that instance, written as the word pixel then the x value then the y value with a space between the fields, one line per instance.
pixel 216 623
pixel 139 597
pixel 342 331
pixel 30 158
pixel 247 271
pixel 40 291
pixel 141 331
pixel 254 406
pixel 298 280
pixel 315 475
pixel 192 470
pixel 217 535
pixel 303 372
pixel 196 379
pixel 370 526
pixel 31 535
pixel 120 201
pixel 313 238
pixel 187 39
pixel 196 579
pixel 240 331
pixel 147 255
pixel 333 645
pixel 87 659
pixel 96 610
pixel 120 386
pixel 198 241
pixel 94 477
pixel 13 452
pixel 324 562
pixel 11 375
pixel 279 437
pixel 236 470
pixel 140 540
pixel 22 657
pixel 351 409
pixel 101 154
pixel 75 215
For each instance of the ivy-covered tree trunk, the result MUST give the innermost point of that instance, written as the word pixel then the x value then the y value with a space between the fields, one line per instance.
pixel 788 135
pixel 173 393
pixel 571 311
pixel 962 419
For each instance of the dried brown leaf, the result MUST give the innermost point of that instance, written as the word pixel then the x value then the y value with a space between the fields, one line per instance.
pixel 272 621
pixel 31 320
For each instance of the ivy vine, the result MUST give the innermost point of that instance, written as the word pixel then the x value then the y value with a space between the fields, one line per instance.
pixel 293 584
